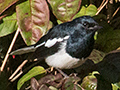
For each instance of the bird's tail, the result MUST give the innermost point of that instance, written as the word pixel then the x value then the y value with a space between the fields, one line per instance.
pixel 23 50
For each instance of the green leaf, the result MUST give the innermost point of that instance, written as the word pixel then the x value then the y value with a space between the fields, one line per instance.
pixel 90 10
pixel 33 20
pixel 116 86
pixel 90 81
pixel 8 25
pixel 59 22
pixel 52 88
pixel 108 39
pixel 71 84
pixel 96 56
pixel 33 72
pixel 4 4
pixel 64 10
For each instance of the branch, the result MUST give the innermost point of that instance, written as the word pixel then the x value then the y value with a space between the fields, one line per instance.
pixel 10 48
pixel 16 71
pixel 102 7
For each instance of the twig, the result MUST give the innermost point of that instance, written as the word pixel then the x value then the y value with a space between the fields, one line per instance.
pixel 102 7
pixel 114 14
pixel 17 76
pixel 18 69
pixel 80 86
pixel 101 4
pixel 10 48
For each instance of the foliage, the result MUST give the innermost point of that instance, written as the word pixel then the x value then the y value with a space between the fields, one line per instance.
pixel 9 25
pixel 35 17
pixel 33 72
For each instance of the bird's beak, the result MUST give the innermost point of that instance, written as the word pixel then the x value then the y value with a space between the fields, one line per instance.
pixel 96 27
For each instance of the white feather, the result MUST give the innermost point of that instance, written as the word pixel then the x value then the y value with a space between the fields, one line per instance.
pixel 63 60
pixel 60 39
pixel 50 43
pixel 66 37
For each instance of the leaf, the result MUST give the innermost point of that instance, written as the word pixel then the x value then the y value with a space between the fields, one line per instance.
pixel 51 80
pixel 48 80
pixel 33 19
pixel 52 88
pixel 34 84
pixel 109 67
pixel 64 10
pixel 33 72
pixel 4 4
pixel 107 38
pixel 69 84
pixel 96 56
pixel 8 25
pixel 102 84
pixel 116 86
pixel 90 82
pixel 87 67
pixel 91 10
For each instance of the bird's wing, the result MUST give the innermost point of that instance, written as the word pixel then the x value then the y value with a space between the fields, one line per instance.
pixel 55 34
pixel 51 41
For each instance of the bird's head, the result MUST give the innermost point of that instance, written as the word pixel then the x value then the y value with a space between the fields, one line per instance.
pixel 88 23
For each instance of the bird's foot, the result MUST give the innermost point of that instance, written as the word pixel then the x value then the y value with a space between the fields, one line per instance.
pixel 64 74
pixel 73 74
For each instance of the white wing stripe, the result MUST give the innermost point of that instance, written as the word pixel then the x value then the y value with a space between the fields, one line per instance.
pixel 59 39
pixel 66 37
pixel 50 42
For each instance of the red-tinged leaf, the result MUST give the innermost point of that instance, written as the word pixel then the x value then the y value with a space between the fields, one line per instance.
pixel 33 19
pixel 34 84
pixel 64 10
pixel 4 4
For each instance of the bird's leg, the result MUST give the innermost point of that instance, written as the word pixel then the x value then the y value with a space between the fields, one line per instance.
pixel 65 75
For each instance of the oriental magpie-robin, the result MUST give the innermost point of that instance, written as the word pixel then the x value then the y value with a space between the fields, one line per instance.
pixel 66 45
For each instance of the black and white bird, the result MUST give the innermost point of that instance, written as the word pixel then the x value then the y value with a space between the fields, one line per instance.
pixel 65 46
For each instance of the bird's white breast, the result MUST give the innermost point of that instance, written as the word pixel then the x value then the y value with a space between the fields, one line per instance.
pixel 62 60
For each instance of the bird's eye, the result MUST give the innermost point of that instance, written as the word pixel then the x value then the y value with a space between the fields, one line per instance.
pixel 86 24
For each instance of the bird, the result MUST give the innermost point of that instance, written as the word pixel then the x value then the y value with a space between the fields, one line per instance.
pixel 67 45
